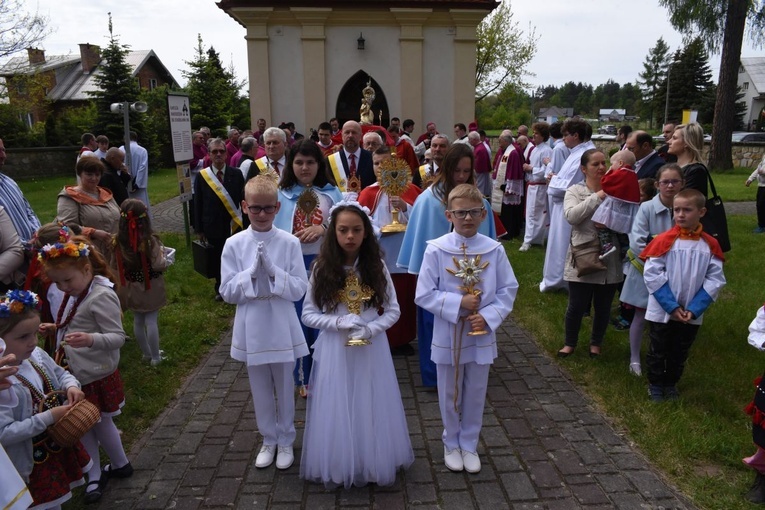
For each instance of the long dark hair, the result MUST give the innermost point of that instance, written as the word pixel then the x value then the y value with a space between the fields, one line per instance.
pixel 329 273
pixel 306 147
pixel 445 178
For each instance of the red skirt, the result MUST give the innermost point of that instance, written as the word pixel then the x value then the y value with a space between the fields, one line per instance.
pixel 56 470
pixel 107 393
pixel 405 329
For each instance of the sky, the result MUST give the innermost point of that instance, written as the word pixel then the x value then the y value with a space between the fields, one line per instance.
pixel 616 35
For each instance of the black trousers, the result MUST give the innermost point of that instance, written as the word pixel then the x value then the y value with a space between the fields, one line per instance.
pixel 512 218
pixel 218 243
pixel 668 350
pixel 580 295
pixel 761 207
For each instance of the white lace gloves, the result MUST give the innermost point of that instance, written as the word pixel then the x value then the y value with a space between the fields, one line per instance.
pixel 262 260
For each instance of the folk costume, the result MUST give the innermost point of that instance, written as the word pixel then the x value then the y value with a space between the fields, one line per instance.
pixel 50 470
pixel 537 219
pixel 90 213
pixel 559 236
pixel 756 408
pixel 463 360
pixel 356 431
pixel 682 268
pixel 377 201
pixel 267 335
pixel 303 207
pixel 427 221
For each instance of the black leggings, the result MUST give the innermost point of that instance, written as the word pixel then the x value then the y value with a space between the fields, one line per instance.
pixel 580 295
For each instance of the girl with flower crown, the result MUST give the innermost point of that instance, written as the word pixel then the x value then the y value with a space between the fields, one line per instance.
pixel 89 334
pixel 356 431
pixel 139 257
pixel 307 190
pixel 50 470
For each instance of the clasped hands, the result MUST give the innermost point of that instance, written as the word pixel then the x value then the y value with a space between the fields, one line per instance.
pixel 262 260
pixel 680 314
pixel 355 325
pixel 471 302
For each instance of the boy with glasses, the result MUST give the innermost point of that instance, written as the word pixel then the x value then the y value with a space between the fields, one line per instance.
pixel 262 273
pixel 467 282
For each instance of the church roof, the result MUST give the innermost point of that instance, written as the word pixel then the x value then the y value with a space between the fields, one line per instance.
pixel 357 4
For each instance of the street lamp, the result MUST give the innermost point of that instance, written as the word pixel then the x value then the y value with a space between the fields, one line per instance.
pixel 125 108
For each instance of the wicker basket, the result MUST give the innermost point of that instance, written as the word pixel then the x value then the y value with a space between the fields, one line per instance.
pixel 68 430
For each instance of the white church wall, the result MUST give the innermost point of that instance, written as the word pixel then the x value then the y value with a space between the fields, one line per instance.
pixel 285 55
pixel 438 80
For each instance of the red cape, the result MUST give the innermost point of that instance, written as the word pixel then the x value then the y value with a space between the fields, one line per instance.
pixel 370 196
pixel 662 243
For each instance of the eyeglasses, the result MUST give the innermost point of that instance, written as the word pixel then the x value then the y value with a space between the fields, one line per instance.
pixel 256 209
pixel 461 214
pixel 218 151
pixel 669 182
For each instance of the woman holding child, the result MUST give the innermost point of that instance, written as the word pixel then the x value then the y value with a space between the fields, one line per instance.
pixel 599 287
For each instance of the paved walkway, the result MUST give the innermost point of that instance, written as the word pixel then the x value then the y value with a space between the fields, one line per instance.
pixel 543 445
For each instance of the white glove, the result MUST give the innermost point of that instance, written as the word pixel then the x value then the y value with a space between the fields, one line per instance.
pixel 360 332
pixel 347 321
pixel 268 265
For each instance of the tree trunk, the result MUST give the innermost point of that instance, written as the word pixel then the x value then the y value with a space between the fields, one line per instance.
pixel 720 154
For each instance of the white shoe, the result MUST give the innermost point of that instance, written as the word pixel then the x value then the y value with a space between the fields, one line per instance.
pixel 524 247
pixel 284 457
pixel 453 459
pixel 635 369
pixel 471 462
pixel 266 456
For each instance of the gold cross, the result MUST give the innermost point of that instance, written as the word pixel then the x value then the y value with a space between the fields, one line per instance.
pixel 354 293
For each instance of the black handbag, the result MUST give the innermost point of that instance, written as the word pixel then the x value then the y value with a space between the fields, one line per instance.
pixel 715 222
pixel 204 259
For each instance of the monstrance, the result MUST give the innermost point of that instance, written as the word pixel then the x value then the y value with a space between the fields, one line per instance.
pixel 353 295
pixel 394 180
pixel 307 203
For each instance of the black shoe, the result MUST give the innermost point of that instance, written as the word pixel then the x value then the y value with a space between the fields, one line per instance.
pixel 95 495
pixel 125 471
pixel 564 354
pixel 757 493
pixel 218 297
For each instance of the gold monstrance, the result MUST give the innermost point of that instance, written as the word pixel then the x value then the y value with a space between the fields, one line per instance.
pixel 469 269
pixel 307 202
pixel 353 295
pixel 394 180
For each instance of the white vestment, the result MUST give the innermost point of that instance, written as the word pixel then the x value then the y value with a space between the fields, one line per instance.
pixel 536 197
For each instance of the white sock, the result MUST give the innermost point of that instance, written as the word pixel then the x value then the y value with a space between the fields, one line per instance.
pixel 109 437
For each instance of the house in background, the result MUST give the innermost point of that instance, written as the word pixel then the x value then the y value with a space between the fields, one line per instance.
pixel 39 84
pixel 554 114
pixel 751 81
pixel 611 115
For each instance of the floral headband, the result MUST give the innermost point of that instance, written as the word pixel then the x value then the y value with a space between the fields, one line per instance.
pixel 67 249
pixel 18 301
pixel 64 234
pixel 350 203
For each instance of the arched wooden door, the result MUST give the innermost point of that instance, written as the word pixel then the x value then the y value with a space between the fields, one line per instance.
pixel 349 100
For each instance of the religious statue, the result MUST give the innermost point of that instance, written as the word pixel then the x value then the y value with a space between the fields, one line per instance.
pixel 366 115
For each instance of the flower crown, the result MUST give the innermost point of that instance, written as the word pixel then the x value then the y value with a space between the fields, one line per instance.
pixel 350 203
pixel 18 301
pixel 67 249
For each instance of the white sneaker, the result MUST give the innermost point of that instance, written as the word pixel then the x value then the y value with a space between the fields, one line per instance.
pixel 471 462
pixel 266 456
pixel 524 247
pixel 453 459
pixel 635 369
pixel 284 457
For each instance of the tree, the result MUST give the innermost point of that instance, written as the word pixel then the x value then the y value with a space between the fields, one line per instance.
pixel 654 71
pixel 721 24
pixel 115 85
pixel 503 52
pixel 18 29
pixel 214 96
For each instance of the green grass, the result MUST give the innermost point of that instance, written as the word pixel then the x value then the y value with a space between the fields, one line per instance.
pixel 700 440
pixel 730 185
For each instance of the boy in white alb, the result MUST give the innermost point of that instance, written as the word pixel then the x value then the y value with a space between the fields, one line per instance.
pixel 262 272
pixel 453 264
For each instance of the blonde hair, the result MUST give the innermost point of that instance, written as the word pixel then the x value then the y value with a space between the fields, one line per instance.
pixel 694 196
pixel 467 192
pixel 693 136
pixel 261 185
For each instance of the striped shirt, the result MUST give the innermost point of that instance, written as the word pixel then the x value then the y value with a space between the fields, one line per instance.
pixel 21 213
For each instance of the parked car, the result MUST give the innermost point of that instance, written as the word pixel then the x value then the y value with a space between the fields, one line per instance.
pixel 744 136
pixel 608 129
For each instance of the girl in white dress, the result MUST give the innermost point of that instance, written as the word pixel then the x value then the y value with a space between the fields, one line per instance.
pixel 356 431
